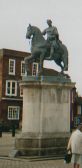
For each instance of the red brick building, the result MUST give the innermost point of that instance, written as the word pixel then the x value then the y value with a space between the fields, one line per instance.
pixel 12 68
pixel 76 109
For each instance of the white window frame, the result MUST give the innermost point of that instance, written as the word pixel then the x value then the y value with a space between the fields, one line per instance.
pixel 23 73
pixel 11 67
pixel 10 88
pixel 13 112
pixel 35 71
pixel 79 109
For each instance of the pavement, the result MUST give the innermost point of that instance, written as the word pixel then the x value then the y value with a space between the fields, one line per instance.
pixel 6 146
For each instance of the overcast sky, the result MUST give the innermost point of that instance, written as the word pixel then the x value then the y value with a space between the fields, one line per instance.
pixel 66 15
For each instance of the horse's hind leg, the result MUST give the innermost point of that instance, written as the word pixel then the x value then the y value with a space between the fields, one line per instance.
pixel 59 63
pixel 41 62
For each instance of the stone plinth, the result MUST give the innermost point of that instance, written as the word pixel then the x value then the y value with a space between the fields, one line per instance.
pixel 46 116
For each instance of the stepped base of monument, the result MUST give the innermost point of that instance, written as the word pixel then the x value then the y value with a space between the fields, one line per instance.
pixel 42 146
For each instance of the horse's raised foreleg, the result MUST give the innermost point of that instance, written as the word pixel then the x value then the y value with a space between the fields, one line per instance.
pixel 27 61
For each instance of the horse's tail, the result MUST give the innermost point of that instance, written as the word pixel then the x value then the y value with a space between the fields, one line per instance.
pixel 65 57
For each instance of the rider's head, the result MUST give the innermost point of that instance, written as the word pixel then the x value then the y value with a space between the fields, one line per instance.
pixel 49 22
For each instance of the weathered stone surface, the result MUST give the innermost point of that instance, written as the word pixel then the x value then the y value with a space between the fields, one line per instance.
pixel 46 117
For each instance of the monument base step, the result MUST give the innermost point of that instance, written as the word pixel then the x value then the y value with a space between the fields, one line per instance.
pixel 46 147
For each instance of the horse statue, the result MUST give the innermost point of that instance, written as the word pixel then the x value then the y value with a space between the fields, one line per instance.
pixel 40 50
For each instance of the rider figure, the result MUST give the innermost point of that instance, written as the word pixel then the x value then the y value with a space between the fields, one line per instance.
pixel 52 37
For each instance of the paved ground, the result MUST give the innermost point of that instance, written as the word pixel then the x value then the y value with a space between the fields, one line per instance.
pixel 4 163
pixel 6 145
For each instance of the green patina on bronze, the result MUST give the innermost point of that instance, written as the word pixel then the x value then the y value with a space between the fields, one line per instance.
pixel 50 49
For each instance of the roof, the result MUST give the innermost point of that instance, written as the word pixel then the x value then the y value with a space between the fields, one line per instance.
pixel 10 52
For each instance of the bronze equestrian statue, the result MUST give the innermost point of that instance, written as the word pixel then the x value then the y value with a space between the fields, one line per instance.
pixel 50 49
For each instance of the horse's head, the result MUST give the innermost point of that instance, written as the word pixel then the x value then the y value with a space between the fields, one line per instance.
pixel 33 31
pixel 36 36
pixel 29 32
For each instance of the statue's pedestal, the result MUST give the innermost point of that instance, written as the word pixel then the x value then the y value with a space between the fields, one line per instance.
pixel 46 116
